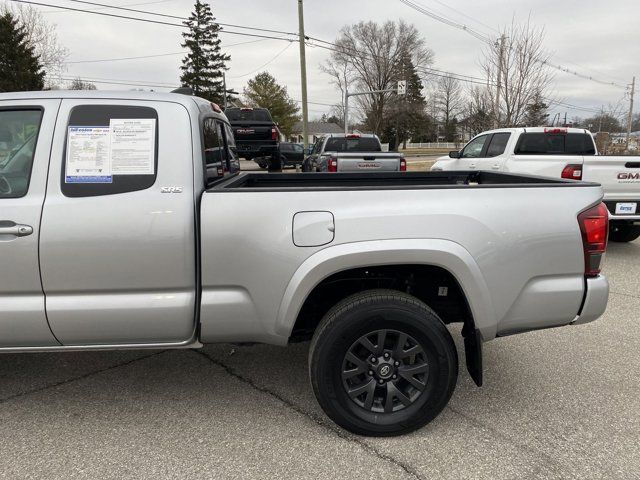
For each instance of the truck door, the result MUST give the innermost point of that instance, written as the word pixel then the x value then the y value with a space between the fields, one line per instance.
pixel 25 139
pixel 494 158
pixel 118 246
pixel 471 154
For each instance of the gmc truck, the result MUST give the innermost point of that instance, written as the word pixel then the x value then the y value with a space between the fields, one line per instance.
pixel 559 152
pixel 352 152
pixel 114 234
pixel 257 136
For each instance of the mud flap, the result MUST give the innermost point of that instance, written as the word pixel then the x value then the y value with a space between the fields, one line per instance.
pixel 473 354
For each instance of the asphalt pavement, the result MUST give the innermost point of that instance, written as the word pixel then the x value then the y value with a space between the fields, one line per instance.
pixel 560 403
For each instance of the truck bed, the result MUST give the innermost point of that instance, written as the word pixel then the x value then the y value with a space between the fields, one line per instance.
pixel 387 181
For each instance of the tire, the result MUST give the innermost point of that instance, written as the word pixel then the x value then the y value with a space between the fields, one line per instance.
pixel 340 360
pixel 275 163
pixel 624 233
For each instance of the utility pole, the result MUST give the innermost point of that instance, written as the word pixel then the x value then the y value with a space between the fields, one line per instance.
pixel 303 75
pixel 600 119
pixel 496 107
pixel 630 119
pixel 224 90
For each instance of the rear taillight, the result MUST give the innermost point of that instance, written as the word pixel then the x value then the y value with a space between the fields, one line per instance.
pixel 274 134
pixel 332 164
pixel 403 165
pixel 594 225
pixel 572 172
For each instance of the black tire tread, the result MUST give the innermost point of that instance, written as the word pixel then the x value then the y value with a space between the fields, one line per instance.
pixel 373 296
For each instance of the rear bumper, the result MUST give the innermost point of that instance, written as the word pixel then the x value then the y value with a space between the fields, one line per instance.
pixel 595 300
pixel 611 206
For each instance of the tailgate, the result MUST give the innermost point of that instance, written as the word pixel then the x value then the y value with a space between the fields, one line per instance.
pixel 368 162
pixel 620 180
pixel 251 131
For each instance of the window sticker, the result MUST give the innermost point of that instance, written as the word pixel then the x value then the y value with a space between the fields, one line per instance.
pixel 133 143
pixel 88 158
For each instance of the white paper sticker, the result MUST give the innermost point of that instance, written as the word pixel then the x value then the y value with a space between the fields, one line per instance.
pixel 133 143
pixel 88 159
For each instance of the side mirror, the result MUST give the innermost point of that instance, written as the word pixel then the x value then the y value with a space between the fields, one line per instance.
pixel 454 154
pixel 308 150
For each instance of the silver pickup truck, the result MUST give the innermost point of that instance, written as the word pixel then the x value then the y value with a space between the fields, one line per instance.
pixel 352 152
pixel 114 234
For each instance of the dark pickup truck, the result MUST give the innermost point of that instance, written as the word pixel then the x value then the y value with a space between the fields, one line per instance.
pixel 256 134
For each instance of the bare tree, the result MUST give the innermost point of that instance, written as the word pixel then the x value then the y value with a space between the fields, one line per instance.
pixel 477 112
pixel 42 36
pixel 79 84
pixel 518 62
pixel 368 56
pixel 449 102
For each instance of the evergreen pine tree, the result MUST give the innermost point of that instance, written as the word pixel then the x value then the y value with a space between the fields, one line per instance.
pixel 20 69
pixel 406 117
pixel 203 67
pixel 537 112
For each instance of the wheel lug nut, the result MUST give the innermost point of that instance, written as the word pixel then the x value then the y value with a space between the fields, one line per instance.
pixel 396 363
pixel 370 372
pixel 394 376
pixel 374 359
pixel 386 355
pixel 381 381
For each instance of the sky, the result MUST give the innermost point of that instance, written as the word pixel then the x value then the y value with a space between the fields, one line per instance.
pixel 591 37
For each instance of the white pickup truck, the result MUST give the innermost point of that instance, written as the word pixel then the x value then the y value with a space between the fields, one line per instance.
pixel 116 233
pixel 561 153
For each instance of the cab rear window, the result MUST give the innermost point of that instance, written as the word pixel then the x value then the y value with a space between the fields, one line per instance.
pixel 362 144
pixel 539 143
pixel 248 115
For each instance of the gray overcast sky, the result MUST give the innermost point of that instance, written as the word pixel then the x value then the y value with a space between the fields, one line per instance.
pixel 592 37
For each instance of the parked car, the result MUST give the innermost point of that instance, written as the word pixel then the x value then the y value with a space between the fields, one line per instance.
pixel 291 155
pixel 135 247
pixel 559 152
pixel 256 134
pixel 352 153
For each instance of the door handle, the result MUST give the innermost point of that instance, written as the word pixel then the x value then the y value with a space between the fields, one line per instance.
pixel 495 166
pixel 16 230
pixel 472 165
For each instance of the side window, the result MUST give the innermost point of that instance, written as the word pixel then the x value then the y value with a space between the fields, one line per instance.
pixel 298 148
pixel 18 137
pixel 214 150
pixel 498 144
pixel 110 149
pixel 474 147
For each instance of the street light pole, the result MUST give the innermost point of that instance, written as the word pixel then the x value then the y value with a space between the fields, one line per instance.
pixel 346 103
pixel 303 75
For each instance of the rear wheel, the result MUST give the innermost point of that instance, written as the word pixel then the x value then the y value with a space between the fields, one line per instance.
pixel 382 363
pixel 624 232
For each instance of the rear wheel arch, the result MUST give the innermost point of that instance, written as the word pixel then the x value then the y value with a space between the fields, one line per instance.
pixel 409 255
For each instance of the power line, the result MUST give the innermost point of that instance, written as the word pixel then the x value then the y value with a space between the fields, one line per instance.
pixel 484 38
pixel 156 55
pixel 146 20
pixel 114 82
pixel 265 64
pixel 146 12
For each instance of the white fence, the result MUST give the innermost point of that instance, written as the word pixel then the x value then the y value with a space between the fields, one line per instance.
pixel 449 145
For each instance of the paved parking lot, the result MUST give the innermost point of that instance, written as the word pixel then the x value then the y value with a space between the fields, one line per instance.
pixel 560 403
